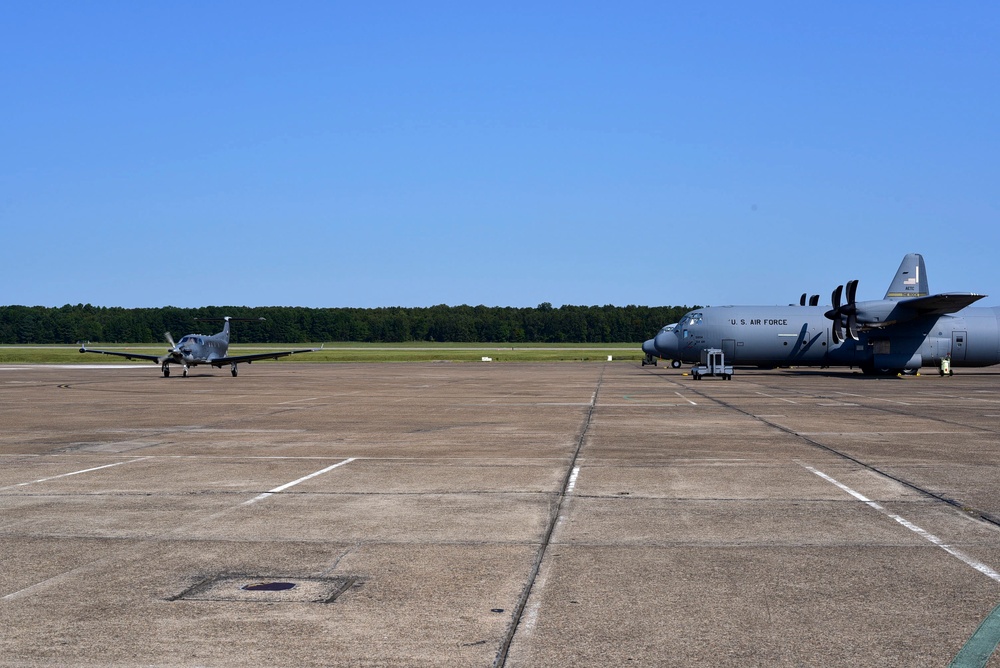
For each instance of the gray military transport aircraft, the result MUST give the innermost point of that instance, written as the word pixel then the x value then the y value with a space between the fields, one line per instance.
pixel 906 330
pixel 195 349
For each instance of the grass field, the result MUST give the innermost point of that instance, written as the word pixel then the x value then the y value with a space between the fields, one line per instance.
pixel 350 352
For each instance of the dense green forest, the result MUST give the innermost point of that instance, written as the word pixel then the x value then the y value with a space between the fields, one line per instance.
pixel 289 324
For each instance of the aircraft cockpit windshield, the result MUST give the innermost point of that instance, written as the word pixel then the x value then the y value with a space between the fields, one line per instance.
pixel 690 320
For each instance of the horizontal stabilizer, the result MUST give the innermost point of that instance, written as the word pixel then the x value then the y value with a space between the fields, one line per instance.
pixel 947 302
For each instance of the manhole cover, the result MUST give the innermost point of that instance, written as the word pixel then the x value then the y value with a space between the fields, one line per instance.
pixel 269 586
pixel 267 589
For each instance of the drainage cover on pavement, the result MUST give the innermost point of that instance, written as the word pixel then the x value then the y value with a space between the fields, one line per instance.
pixel 267 589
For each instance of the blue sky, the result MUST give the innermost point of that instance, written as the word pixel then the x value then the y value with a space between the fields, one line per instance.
pixel 382 154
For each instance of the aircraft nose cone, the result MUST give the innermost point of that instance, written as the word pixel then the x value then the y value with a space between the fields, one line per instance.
pixel 650 348
pixel 665 344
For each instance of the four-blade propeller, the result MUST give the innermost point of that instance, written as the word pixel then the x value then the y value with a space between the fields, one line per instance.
pixel 813 301
pixel 846 314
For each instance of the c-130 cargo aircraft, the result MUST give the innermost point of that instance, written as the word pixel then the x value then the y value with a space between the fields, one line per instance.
pixel 195 349
pixel 907 329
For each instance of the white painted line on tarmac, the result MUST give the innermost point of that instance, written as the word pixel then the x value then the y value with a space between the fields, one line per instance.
pixel 891 401
pixel 978 565
pixel 633 404
pixel 282 488
pixel 64 475
pixel 685 398
pixel 771 396
pixel 572 479
pixel 497 404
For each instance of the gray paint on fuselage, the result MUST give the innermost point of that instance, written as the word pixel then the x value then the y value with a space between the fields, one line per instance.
pixel 907 329
pixel 761 334
pixel 195 349
pixel 800 336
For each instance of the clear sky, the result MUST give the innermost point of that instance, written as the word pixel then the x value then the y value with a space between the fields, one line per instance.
pixel 420 153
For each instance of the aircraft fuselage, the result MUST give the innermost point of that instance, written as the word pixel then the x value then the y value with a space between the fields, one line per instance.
pixel 195 349
pixel 770 336
pixel 202 348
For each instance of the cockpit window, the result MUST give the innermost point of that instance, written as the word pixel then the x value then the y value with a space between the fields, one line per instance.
pixel 692 319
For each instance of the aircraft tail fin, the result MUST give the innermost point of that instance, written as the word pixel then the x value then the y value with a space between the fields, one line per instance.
pixel 910 279
pixel 228 319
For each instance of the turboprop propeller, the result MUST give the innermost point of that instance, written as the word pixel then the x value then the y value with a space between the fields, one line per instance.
pixel 846 313
pixel 173 353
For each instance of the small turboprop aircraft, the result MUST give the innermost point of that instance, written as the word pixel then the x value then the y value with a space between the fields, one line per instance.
pixel 907 329
pixel 195 349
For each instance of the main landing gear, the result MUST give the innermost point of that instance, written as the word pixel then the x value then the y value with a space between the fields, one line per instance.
pixel 165 368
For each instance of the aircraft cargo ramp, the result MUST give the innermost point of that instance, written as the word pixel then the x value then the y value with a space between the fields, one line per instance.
pixel 573 514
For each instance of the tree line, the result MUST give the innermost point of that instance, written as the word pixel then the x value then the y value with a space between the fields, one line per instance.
pixel 290 324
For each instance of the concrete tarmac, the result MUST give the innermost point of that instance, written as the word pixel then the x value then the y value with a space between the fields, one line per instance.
pixel 565 514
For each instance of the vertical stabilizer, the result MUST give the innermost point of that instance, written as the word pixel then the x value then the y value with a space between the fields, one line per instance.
pixel 910 279
pixel 225 329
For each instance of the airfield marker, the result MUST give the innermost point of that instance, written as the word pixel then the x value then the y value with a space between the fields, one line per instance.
pixel 296 482
pixel 63 475
pixel 926 535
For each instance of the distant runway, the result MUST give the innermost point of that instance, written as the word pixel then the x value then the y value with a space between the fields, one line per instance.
pixel 428 514
pixel 29 367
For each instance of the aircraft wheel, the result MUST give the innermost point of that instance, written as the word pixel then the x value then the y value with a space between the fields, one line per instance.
pixel 234 371
pixel 184 374
pixel 166 372
pixel 675 364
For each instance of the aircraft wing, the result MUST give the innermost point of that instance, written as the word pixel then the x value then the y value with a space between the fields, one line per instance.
pixel 941 304
pixel 126 355
pixel 240 359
